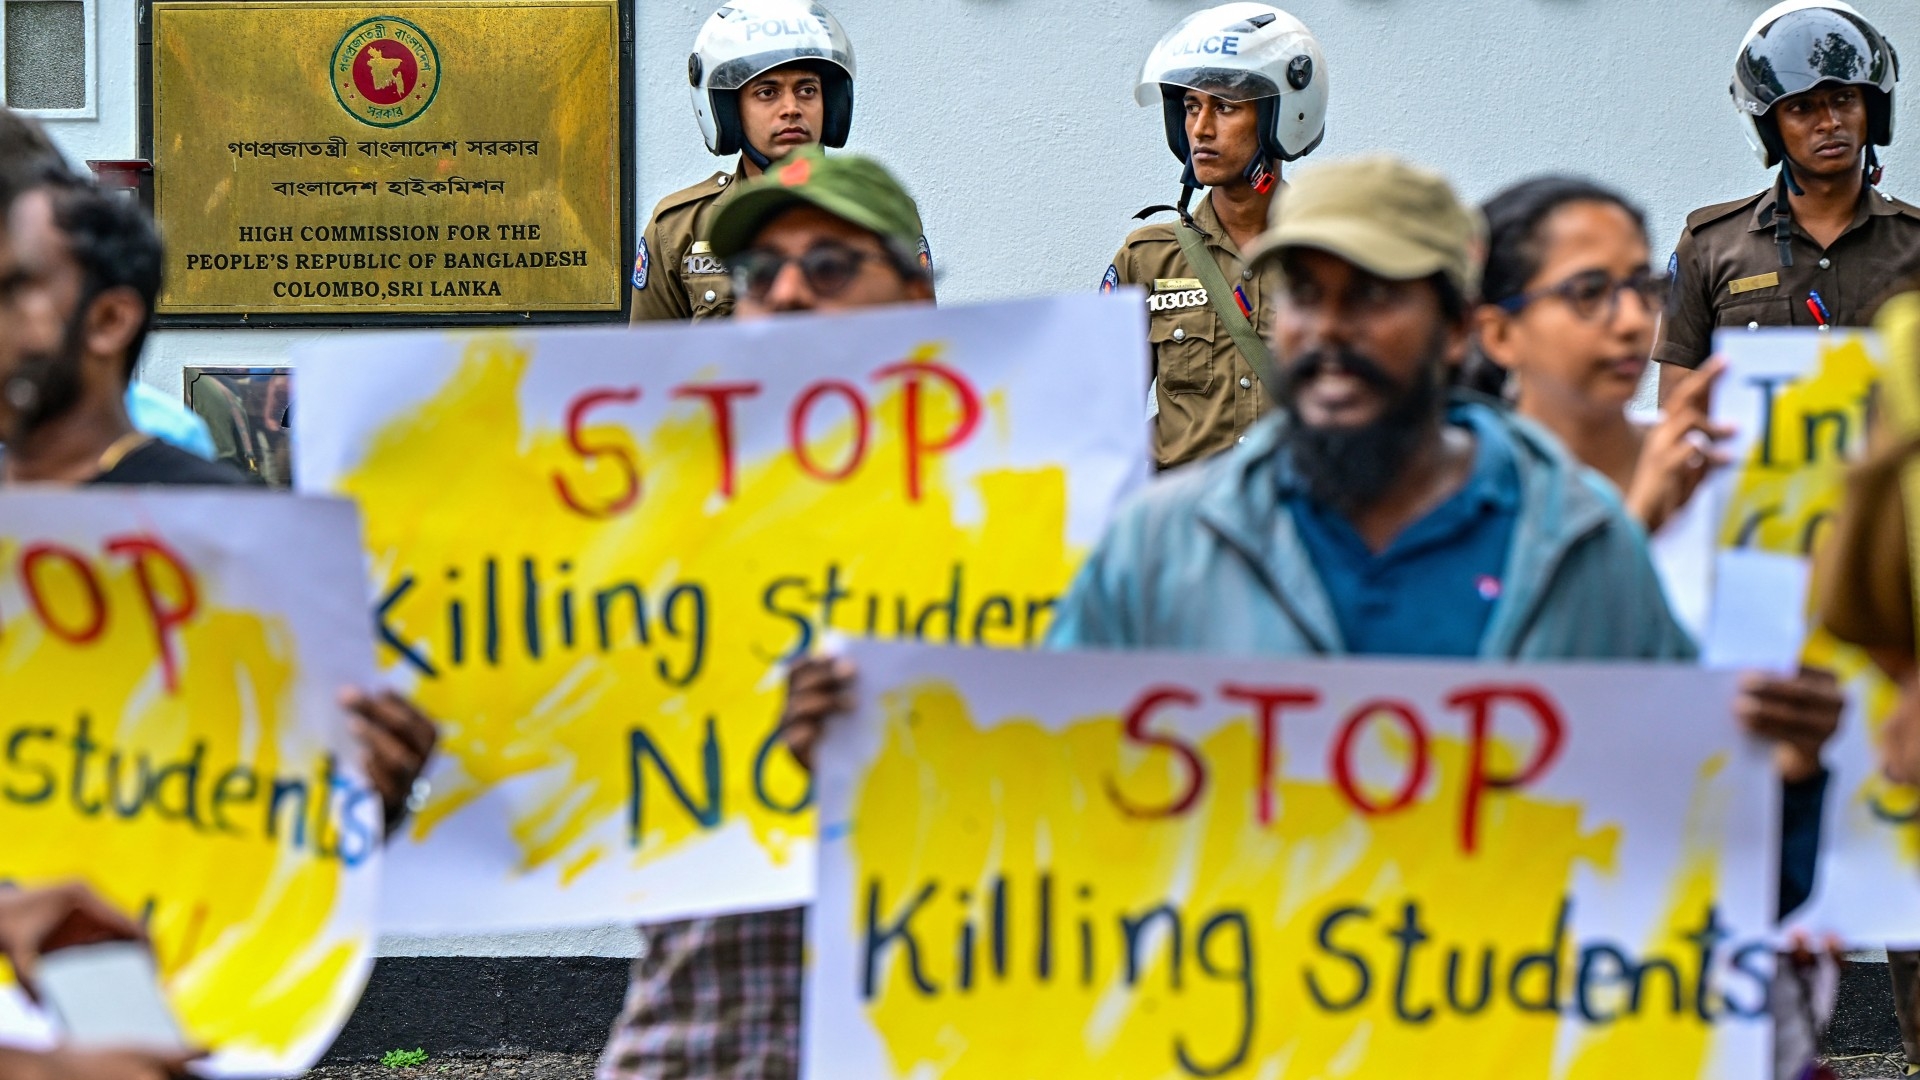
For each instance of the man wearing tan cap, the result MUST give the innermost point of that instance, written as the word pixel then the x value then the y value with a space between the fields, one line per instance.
pixel 1373 512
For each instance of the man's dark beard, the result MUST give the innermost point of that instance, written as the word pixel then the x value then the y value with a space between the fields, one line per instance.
pixel 45 385
pixel 1351 468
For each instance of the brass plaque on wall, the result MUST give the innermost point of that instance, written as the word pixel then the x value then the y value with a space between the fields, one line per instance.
pixel 415 159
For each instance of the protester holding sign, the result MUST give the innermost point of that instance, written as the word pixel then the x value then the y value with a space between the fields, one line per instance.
pixel 1158 864
pixel 22 144
pixel 1565 330
pixel 1374 515
pixel 1569 314
pixel 79 274
pixel 34 921
pixel 1371 515
pixel 1556 337
pixel 720 996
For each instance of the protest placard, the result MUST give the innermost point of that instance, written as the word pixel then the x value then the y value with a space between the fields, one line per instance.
pixel 170 667
pixel 1161 865
pixel 593 550
pixel 1801 402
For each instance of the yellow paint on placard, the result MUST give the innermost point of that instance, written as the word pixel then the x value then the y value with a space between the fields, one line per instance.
pixel 164 801
pixel 1004 886
pixel 643 690
pixel 1786 490
pixel 1786 494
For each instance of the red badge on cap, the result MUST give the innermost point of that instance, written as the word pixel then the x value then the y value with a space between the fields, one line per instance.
pixel 796 174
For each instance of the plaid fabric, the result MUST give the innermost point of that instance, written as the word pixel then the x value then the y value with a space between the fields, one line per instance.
pixel 713 999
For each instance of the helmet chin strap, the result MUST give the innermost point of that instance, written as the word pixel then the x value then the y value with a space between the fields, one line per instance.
pixel 1189 183
pixel 1874 171
pixel 760 160
pixel 1783 213
pixel 1260 175
pixel 1786 173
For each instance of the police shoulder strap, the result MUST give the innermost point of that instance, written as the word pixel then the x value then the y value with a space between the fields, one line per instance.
pixel 1220 295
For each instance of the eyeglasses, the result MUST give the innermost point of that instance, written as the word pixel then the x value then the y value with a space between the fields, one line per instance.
pixel 828 267
pixel 1594 295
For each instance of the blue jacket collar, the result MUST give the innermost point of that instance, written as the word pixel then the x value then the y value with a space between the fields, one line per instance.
pixel 1559 504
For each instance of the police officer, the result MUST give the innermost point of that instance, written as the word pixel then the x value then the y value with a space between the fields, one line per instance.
pixel 1243 88
pixel 768 76
pixel 1814 86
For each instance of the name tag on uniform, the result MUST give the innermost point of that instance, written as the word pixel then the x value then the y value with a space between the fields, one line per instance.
pixel 700 260
pixel 1753 284
pixel 1174 301
pixel 1175 284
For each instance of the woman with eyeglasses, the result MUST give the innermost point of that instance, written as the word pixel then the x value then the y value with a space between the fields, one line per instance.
pixel 1565 329
pixel 1565 332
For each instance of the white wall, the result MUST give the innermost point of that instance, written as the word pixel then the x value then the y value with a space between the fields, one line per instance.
pixel 1013 123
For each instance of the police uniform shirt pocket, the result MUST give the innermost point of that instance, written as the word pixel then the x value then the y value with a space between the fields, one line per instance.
pixel 1746 311
pixel 1183 351
pixel 709 288
pixel 711 298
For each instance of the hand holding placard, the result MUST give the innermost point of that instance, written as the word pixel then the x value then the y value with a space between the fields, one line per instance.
pixel 1216 867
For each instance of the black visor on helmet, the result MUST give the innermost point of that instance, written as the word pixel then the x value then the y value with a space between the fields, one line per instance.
pixel 1803 49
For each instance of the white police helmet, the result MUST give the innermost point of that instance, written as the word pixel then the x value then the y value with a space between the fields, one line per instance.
pixel 746 38
pixel 1242 52
pixel 1800 44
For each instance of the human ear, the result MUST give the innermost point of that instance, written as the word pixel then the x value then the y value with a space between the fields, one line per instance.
pixel 1493 328
pixel 113 320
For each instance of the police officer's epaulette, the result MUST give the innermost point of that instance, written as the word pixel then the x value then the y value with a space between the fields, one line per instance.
pixel 705 189
pixel 1906 208
pixel 1707 215
pixel 1158 232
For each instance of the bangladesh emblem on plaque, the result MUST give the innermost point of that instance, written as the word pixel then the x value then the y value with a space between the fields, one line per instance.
pixel 386 71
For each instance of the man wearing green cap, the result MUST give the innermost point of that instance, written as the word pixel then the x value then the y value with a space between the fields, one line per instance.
pixel 720 997
pixel 849 232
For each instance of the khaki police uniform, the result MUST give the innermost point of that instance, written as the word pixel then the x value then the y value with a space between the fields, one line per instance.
pixel 1728 270
pixel 675 276
pixel 1204 396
